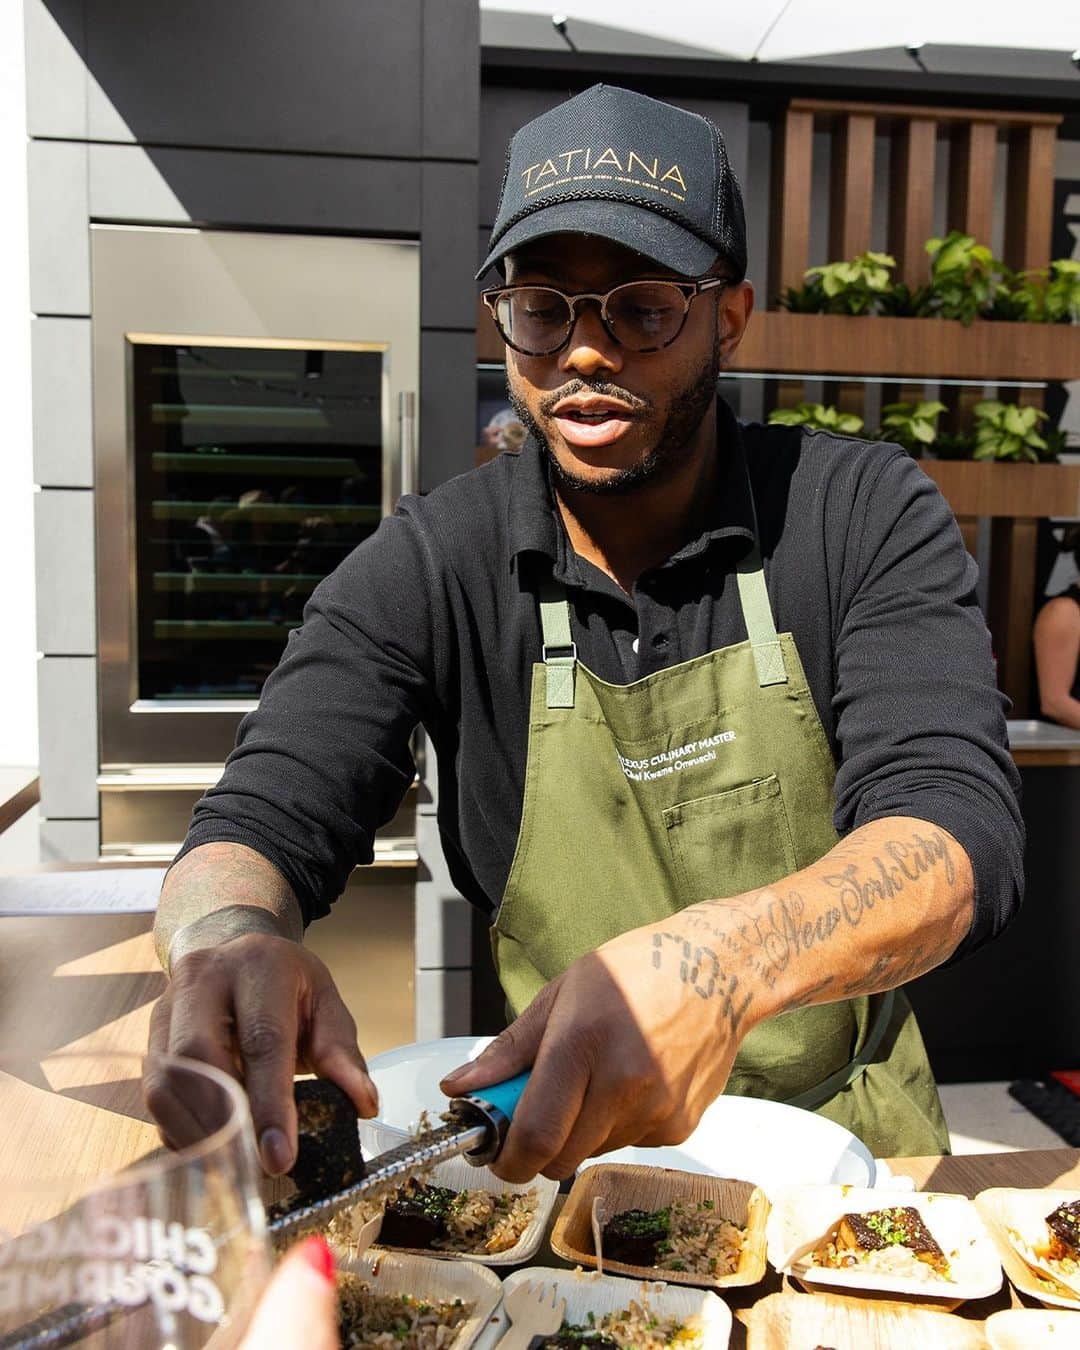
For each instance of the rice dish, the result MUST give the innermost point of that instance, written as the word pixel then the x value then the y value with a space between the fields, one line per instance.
pixel 634 1328
pixel 437 1218
pixel 371 1321
pixel 687 1236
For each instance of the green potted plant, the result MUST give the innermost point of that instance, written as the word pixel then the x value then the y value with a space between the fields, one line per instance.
pixel 818 417
pixel 1041 295
pixel 965 277
pixel 912 425
pixel 1006 431
pixel 852 287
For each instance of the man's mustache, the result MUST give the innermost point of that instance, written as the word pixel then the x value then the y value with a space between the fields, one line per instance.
pixel 602 390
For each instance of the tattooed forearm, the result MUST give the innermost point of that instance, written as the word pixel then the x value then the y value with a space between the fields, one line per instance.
pixel 699 967
pixel 881 908
pixel 823 992
pixel 890 970
pixel 772 930
pixel 218 891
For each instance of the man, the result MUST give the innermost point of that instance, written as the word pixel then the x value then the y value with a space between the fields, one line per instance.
pixel 720 750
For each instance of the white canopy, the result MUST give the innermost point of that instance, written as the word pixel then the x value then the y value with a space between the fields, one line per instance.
pixel 777 30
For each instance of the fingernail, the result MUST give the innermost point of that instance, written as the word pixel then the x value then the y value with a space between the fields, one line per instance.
pixel 460 1071
pixel 316 1252
pixel 275 1151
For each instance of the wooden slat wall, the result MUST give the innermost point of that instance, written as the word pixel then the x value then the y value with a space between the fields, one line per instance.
pixel 792 178
pixel 972 158
pixel 973 135
pixel 1029 196
pixel 911 198
pixel 851 195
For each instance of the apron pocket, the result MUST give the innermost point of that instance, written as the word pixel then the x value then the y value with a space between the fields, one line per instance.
pixel 730 842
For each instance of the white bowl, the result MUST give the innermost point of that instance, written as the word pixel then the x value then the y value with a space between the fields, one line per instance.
pixel 741 1137
pixel 407 1078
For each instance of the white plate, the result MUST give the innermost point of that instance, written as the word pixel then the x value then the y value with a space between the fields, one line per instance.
pixel 802 1214
pixel 742 1137
pixel 585 1291
pixel 407 1079
pixel 765 1142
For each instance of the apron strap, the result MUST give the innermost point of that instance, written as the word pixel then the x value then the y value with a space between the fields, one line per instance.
pixel 559 650
pixel 817 1096
pixel 757 615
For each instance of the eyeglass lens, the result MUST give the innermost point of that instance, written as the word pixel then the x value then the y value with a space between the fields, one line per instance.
pixel 642 315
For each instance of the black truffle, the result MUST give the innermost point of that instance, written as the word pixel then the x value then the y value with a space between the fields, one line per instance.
pixel 328 1158
pixel 416 1216
pixel 637 1236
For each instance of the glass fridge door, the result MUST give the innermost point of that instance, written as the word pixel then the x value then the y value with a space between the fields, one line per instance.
pixel 258 467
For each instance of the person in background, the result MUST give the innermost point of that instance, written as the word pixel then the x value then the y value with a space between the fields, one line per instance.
pixel 1057 648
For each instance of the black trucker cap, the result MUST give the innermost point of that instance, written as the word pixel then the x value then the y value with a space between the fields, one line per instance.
pixel 614 163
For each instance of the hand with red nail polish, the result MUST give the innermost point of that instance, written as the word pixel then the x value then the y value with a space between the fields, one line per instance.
pixel 299 1309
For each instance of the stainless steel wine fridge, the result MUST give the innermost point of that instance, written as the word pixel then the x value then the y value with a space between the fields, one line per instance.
pixel 254 418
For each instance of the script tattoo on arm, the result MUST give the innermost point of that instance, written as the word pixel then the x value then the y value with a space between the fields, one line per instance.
pixel 762 935
pixel 700 969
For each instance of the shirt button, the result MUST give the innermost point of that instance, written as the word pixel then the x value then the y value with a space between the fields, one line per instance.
pixel 634 645
pixel 660 641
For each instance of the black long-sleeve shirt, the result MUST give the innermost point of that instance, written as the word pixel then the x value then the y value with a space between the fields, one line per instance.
pixel 433 620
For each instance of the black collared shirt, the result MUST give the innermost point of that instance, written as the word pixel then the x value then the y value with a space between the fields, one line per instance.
pixel 433 621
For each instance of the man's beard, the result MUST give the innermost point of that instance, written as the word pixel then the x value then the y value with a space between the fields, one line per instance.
pixel 688 409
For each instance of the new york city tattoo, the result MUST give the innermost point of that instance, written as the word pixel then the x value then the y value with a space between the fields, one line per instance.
pixel 762 946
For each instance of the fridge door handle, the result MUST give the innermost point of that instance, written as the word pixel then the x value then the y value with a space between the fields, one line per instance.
pixel 409 476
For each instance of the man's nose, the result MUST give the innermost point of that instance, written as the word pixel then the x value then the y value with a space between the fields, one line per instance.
pixel 591 348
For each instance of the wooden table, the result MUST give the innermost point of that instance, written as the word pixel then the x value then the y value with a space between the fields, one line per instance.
pixel 89 983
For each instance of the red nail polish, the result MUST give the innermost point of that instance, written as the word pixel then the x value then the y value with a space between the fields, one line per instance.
pixel 316 1252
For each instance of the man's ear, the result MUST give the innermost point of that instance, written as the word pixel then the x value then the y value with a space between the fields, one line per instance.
pixel 732 315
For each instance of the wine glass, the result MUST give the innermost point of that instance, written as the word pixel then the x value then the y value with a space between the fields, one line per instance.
pixel 105 1235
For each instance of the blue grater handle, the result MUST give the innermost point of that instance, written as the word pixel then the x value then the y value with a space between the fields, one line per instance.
pixel 494 1107
pixel 505 1096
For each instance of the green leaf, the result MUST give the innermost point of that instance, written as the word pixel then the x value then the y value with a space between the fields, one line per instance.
pixel 988 408
pixel 1017 420
pixel 930 409
pixel 923 431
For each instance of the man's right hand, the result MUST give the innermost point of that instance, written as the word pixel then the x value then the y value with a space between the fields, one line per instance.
pixel 261 1008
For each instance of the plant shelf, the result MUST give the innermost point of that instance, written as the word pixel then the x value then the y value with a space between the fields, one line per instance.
pixel 928 349
pixel 975 487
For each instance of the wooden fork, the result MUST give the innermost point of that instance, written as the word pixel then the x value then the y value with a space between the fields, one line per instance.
pixel 532 1313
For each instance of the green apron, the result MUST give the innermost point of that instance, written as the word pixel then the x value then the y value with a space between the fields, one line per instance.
pixel 702 781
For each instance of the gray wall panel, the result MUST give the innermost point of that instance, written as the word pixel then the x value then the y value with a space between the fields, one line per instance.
pixel 443 1003
pixel 64 546
pixel 59 229
pixel 447 406
pixel 62 402
pixel 55 73
pixel 299 192
pixel 447 289
pixel 451 78
pixel 67 697
pixel 326 75
pixel 69 841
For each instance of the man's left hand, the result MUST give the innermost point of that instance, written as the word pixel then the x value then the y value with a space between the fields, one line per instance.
pixel 627 1046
